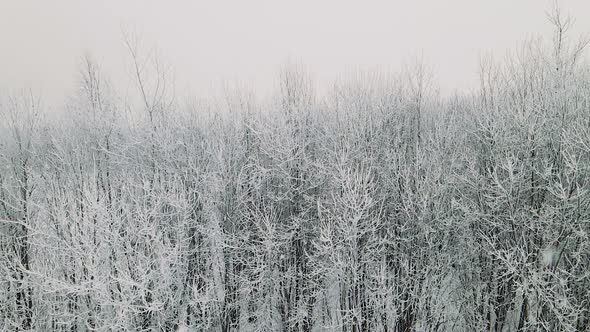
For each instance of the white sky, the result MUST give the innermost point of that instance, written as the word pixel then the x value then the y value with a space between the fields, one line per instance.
pixel 209 42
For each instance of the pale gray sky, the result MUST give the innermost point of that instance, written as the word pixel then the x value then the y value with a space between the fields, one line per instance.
pixel 215 41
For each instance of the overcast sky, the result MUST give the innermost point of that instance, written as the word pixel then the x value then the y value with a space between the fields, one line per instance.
pixel 210 42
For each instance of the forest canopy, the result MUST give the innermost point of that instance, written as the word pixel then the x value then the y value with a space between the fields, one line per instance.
pixel 377 206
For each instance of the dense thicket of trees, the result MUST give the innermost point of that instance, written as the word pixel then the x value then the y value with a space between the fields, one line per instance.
pixel 379 206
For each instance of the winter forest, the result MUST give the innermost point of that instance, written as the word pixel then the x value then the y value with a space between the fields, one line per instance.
pixel 380 205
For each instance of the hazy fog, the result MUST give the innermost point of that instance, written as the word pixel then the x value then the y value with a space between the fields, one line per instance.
pixel 210 42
